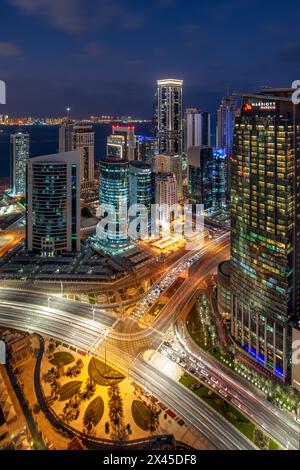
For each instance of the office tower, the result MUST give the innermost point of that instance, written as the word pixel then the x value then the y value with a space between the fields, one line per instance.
pixel 80 137
pixel 53 204
pixel 166 198
pixel 226 115
pixel 219 179
pixel 122 143
pixel 146 149
pixel 140 192
pixel 265 235
pixel 197 128
pixel 66 137
pixel 200 176
pixel 168 116
pixel 165 163
pixel 113 197
pixel 19 155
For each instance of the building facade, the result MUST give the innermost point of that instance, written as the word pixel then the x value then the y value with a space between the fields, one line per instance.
pixel 200 176
pixel 112 231
pixel 197 128
pixel 140 192
pixel 265 234
pixel 80 137
pixel 168 116
pixel 227 113
pixel 122 143
pixel 19 155
pixel 224 291
pixel 53 204
pixel 166 198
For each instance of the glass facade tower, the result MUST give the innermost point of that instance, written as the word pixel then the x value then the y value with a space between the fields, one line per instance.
pixel 19 144
pixel 265 231
pixel 112 230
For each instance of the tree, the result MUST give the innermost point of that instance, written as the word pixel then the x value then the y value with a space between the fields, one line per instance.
pixel 153 419
pixel 115 404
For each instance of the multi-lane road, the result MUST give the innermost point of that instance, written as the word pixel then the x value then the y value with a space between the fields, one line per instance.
pixel 92 329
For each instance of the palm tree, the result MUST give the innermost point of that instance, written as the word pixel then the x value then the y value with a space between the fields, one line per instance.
pixel 115 407
pixel 153 419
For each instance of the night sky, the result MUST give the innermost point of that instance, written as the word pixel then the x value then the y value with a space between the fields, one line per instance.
pixel 104 56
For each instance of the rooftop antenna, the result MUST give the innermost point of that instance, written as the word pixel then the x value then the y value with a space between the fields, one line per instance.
pixel 68 109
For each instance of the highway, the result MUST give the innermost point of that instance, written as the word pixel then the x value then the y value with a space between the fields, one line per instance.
pixel 85 328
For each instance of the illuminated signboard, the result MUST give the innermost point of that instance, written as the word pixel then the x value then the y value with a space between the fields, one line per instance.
pixel 261 105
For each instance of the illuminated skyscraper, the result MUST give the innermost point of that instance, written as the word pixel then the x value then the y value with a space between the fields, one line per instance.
pixel 140 190
pixel 165 163
pixel 166 198
pixel 265 234
pixel 53 204
pixel 227 113
pixel 19 155
pixel 114 198
pixel 80 137
pixel 200 176
pixel 122 143
pixel 169 126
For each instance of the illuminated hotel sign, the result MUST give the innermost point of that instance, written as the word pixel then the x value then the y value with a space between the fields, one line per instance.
pixel 261 105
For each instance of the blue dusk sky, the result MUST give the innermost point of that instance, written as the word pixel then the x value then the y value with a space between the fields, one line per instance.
pixel 104 56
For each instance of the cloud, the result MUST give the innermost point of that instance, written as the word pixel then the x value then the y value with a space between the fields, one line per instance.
pixel 95 49
pixel 7 49
pixel 79 15
pixel 64 14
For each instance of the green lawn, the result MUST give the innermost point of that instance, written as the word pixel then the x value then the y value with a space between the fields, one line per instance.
pixel 141 414
pixel 69 390
pixel 95 410
pixel 62 358
pixel 105 376
pixel 240 421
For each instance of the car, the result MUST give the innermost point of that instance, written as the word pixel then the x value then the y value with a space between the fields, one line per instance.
pixel 279 406
pixel 182 353
pixel 214 380
pixel 200 365
pixel 192 359
pixel 204 372
pixel 223 393
pixel 173 358
pixel 297 419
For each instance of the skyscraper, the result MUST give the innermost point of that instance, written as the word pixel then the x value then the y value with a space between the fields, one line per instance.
pixel 80 137
pixel 197 128
pixel 200 176
pixel 113 198
pixel 169 127
pixel 19 155
pixel 166 198
pixel 265 235
pixel 227 113
pixel 53 204
pixel 219 179
pixel 140 191
pixel 122 143
pixel 165 163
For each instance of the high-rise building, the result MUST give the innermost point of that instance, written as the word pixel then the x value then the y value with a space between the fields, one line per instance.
pixel 219 179
pixel 265 234
pixel 200 176
pixel 80 137
pixel 140 192
pixel 19 155
pixel 197 128
pixel 53 204
pixel 168 116
pixel 227 113
pixel 122 143
pixel 113 198
pixel 165 163
pixel 166 198
pixel 146 149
